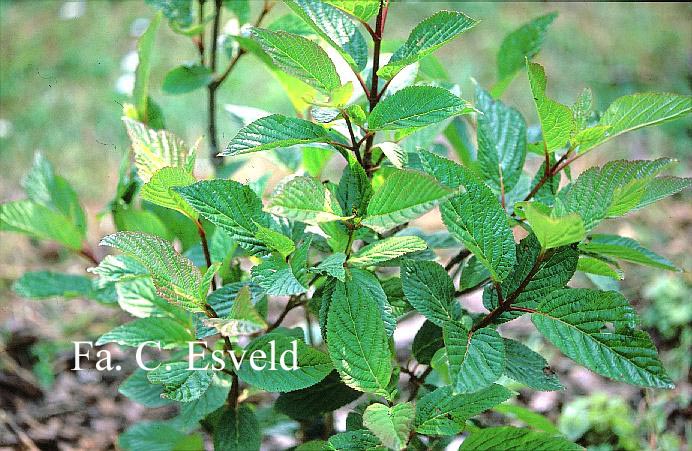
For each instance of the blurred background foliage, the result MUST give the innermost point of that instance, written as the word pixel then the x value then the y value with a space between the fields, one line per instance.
pixel 66 68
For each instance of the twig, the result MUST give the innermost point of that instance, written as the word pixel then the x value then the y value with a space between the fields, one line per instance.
pixel 87 253
pixel 21 435
pixel 457 259
pixel 205 249
pixel 419 381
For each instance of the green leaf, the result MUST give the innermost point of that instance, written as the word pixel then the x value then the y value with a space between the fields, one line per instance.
pixel 159 190
pixel 138 388
pixel 157 149
pixel 430 290
pixel 625 249
pixel 303 199
pixel 326 396
pixel 212 400
pixel 509 438
pixel 274 131
pixel 529 417
pixel 232 206
pixel 575 321
pixel 277 277
pixel 391 425
pixel 274 240
pixel 299 57
pixel 427 341
pixel 38 221
pixel 635 111
pixel 501 142
pixel 304 366
pixel 447 172
pixel 169 333
pixel 551 229
pixel 557 122
pixel 476 359
pixel 518 46
pixel 403 196
pixel 354 191
pixel 396 154
pixel 473 273
pixel 46 284
pixel 242 320
pixel 176 278
pixel 476 218
pixel 357 340
pixel 362 9
pixel 441 412
pixel 357 440
pixel 315 159
pixel 555 269
pixel 529 368
pixel 425 38
pixel 415 107
pixel 663 187
pixel 187 78
pixel 599 267
pixel 334 27
pixel 385 250
pixel 180 383
pixel 238 430
pixel 145 48
pixel 333 265
pixel 157 436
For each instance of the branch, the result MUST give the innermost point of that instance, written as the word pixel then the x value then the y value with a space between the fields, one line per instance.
pixel 419 381
pixel 205 249
pixel 457 259
pixel 292 303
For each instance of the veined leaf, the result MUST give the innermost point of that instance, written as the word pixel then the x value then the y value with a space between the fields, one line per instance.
pixel 507 437
pixel 299 57
pixel 552 230
pixel 158 190
pixel 425 38
pixel 333 266
pixel 385 250
pixel 274 240
pixel 592 265
pixel 336 28
pixel 446 171
pixel 277 277
pixel 415 107
pixel 476 359
pixel 575 321
pixel 427 342
pixel 430 290
pixel 557 122
pixel 529 368
pixel 238 430
pixel 391 425
pixel 625 249
pixel 176 278
pixel 360 439
pixel 357 342
pixel 157 436
pixel 518 46
pixel 274 131
pixel 243 319
pixel 501 142
pixel 230 205
pixel 167 332
pixel 157 149
pixel 303 199
pixel 138 388
pixel 635 111
pixel 476 218
pixel 354 191
pixel 187 78
pixel 396 154
pixel 362 9
pixel 180 383
pixel 662 187
pixel 405 195
pixel 304 366
pixel 326 396
pixel 38 221
pixel 441 412
pixel 589 196
pixel 46 284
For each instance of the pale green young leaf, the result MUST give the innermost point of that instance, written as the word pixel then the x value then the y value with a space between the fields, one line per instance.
pixel 529 368
pixel 238 430
pixel 336 28
pixel 180 383
pixel 415 107
pixel 551 229
pixel 404 196
pixel 590 196
pixel 391 425
pixel 274 240
pixel 396 154
pixel 167 332
pixel 361 9
pixel 232 206
pixel 582 109
pixel 557 122
pixel 130 219
pixel 332 265
pixel 158 190
pixel 145 48
pixel 635 111
pixel 303 199
pixel 662 187
pixel 176 278
pixel 533 420
pixel 441 412
pixel 137 296
pixel 357 342
pixel 274 131
pixel 187 78
pixel 299 57
pixel 430 290
pixel 626 249
pixel 501 142
pixel 518 46
pixel 315 159
pixel 574 320
pixel 242 320
pixel 476 359
pixel 39 221
pixel 476 218
pixel 592 265
pixel 311 365
pixel 429 35
pixel 507 437
pixel 387 249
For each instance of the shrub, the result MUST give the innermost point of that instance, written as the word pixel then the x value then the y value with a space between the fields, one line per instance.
pixel 207 259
